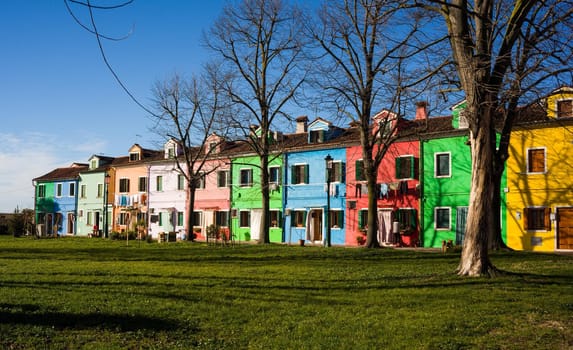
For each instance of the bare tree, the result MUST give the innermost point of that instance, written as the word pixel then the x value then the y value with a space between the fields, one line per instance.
pixel 259 44
pixel 370 50
pixel 189 113
pixel 503 51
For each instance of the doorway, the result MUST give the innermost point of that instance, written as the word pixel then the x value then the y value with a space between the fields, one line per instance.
pixel 565 228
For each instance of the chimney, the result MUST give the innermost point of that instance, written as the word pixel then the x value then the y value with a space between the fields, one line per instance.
pixel 421 110
pixel 301 124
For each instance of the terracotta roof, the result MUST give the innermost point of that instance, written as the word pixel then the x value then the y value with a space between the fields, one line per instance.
pixel 68 173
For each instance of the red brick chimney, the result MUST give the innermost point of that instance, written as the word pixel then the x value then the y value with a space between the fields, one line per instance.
pixel 421 110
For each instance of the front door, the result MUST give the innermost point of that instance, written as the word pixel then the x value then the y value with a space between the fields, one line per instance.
pixel 461 218
pixel 385 226
pixel 314 225
pixel 565 228
pixel 256 218
pixel 70 223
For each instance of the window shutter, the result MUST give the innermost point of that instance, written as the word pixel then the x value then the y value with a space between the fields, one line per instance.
pixel 398 167
pixel 547 217
pixel 343 172
pixel 341 218
pixel 292 175
pixel 360 223
pixel 413 219
pixel 412 167
pixel 525 216
pixel 293 219
pixel 306 173
pixel 280 219
pixel 358 167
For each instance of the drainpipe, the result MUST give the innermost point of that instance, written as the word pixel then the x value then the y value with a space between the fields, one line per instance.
pixel 421 198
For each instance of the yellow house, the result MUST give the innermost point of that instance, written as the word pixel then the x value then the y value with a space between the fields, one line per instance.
pixel 540 176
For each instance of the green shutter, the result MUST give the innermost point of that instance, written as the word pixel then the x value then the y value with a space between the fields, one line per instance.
pixel 342 172
pixel 398 167
pixel 359 165
pixel 306 173
pixel 341 218
pixel 360 223
pixel 412 167
pixel 292 174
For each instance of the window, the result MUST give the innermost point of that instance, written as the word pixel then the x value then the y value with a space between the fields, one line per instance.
pixel 442 218
pixel 246 178
pixel 123 218
pixel 537 219
pixel 275 175
pixel 222 218
pixel 133 156
pixel 160 219
pixel 245 218
pixel 212 146
pixel 93 164
pixel 336 218
pixel 299 174
pixel 59 190
pixel 407 219
pixel 180 216
pixel 200 182
pixel 83 190
pixel 359 170
pixel 41 191
pixel 298 218
pixel 564 108
pixel 197 218
pixel 362 219
pixel 223 178
pixel 72 189
pixel 180 182
pixel 123 186
pixel 442 165
pixel 99 190
pixel 159 183
pixel 536 160
pixel 405 167
pixel 89 220
pixel 337 172
pixel 142 186
pixel 275 218
pixel 316 136
pixel 171 152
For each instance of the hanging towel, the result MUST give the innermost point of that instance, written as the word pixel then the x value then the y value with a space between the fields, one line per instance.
pixel 383 190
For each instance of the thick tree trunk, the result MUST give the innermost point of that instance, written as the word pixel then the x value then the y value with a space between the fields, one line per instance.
pixel 372 232
pixel 475 259
pixel 495 241
pixel 265 205
pixel 190 210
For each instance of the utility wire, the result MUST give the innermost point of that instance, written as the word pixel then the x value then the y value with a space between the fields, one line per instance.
pixel 100 44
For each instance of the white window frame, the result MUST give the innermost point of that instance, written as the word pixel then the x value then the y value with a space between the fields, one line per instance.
pixel 59 189
pixel 83 190
pixel 226 175
pixel 240 218
pixel 544 160
pixel 557 106
pixel 278 170
pixel 250 184
pixel 436 209
pixel 436 165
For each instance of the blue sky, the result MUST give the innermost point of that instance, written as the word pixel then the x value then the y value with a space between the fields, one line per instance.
pixel 60 104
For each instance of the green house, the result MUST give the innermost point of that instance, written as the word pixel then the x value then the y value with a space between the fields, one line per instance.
pixel 446 178
pixel 246 198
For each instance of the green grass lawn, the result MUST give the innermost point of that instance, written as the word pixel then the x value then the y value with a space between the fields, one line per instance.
pixel 99 294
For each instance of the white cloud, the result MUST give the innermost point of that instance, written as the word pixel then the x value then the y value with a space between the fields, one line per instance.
pixel 26 156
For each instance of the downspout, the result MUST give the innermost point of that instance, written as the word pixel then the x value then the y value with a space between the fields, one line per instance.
pixel 147 192
pixel 230 216
pixel 283 196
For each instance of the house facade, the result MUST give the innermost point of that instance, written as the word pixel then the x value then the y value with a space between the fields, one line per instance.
pixel 94 209
pixel 56 201
pixel 539 182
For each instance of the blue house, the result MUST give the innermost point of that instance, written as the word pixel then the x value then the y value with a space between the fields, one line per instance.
pixel 306 189
pixel 57 200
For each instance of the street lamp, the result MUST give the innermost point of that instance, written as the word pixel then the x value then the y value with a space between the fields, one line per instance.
pixel 328 163
pixel 105 199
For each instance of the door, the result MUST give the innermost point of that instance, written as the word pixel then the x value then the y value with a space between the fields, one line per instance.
pixel 385 226
pixel 70 224
pixel 461 218
pixel 314 225
pixel 565 228
pixel 256 216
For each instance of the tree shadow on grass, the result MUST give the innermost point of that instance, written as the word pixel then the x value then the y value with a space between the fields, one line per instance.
pixel 34 316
